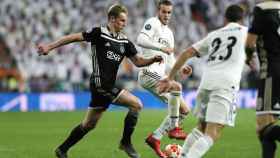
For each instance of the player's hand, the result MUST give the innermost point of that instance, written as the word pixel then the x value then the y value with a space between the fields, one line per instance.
pixel 252 62
pixel 43 49
pixel 185 72
pixel 167 50
pixel 164 85
pixel 158 59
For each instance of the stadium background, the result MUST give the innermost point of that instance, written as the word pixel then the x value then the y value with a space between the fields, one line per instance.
pixel 59 82
pixel 27 22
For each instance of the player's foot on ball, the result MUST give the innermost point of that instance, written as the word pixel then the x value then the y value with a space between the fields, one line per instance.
pixel 155 145
pixel 60 154
pixel 177 133
pixel 129 150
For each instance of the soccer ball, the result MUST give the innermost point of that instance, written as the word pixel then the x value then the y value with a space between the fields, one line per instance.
pixel 173 150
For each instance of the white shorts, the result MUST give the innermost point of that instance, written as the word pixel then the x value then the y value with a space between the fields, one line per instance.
pixel 148 81
pixel 216 106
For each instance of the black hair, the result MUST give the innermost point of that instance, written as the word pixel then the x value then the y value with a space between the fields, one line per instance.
pixel 234 13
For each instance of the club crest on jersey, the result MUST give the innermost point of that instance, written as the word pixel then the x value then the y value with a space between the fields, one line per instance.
pixel 108 44
pixel 148 27
pixel 122 48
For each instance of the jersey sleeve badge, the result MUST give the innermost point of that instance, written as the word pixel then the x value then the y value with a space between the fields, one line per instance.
pixel 148 27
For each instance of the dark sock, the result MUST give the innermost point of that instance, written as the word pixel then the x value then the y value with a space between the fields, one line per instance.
pixel 268 137
pixel 268 148
pixel 129 126
pixel 274 132
pixel 76 135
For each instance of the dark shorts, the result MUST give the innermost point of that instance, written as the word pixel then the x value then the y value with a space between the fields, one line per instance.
pixel 268 101
pixel 101 98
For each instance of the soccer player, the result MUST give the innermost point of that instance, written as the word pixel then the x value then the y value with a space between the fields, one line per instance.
pixel 109 46
pixel 215 102
pixel 264 33
pixel 156 38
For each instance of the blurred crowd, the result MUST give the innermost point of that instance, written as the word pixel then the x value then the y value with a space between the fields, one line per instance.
pixel 25 23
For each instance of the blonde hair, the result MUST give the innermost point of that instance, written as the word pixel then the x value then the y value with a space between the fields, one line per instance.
pixel 115 10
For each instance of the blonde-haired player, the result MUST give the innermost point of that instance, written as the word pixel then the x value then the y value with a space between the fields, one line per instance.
pixel 156 38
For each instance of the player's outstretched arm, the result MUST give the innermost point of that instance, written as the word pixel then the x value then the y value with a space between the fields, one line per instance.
pixel 44 49
pixel 165 84
pixel 146 42
pixel 141 62
pixel 188 53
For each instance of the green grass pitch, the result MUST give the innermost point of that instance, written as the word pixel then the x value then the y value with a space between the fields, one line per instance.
pixel 35 135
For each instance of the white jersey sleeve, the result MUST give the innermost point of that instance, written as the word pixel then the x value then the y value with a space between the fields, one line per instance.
pixel 202 46
pixel 150 27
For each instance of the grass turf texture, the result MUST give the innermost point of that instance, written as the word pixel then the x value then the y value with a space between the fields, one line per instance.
pixel 35 135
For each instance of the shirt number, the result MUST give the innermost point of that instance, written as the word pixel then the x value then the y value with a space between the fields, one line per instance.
pixel 216 46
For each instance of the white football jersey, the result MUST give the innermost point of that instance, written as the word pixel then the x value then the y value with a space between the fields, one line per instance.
pixel 225 51
pixel 163 35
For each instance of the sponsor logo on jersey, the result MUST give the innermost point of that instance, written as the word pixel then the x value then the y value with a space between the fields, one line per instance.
pixel 164 42
pixel 113 56
pixel 148 27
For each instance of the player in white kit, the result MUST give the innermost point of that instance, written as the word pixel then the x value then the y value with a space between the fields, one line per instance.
pixel 156 38
pixel 215 104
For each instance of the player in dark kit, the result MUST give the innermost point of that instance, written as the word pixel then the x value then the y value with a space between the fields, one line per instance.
pixel 109 47
pixel 264 34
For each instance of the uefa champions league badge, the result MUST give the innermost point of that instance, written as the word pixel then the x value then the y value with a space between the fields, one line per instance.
pixel 148 27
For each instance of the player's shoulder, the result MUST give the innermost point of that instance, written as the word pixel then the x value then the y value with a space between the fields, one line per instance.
pixel 153 21
pixel 268 5
pixel 122 35
pixel 93 29
pixel 233 26
pixel 104 30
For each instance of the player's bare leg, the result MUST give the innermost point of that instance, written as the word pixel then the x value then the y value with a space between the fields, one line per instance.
pixel 90 121
pixel 134 104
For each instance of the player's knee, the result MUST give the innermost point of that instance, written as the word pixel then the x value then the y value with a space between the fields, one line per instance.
pixel 176 86
pixel 214 131
pixel 89 125
pixel 214 135
pixel 184 109
pixel 137 105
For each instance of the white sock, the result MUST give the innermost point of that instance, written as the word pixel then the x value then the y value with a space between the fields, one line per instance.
pixel 173 108
pixel 190 140
pixel 200 147
pixel 163 128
